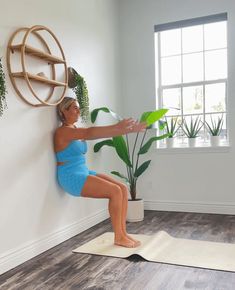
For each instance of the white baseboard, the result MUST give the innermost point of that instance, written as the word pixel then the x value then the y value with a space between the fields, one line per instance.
pixel 197 207
pixel 23 253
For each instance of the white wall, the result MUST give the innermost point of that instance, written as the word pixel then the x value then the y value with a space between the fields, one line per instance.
pixel 35 214
pixel 201 182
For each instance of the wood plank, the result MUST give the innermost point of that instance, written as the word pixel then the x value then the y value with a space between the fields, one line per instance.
pixel 39 79
pixel 37 53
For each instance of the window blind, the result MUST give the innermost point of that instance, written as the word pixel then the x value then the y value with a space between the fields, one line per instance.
pixel 191 22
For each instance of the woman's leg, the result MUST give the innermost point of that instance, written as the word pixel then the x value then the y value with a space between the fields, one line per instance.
pixel 124 203
pixel 97 187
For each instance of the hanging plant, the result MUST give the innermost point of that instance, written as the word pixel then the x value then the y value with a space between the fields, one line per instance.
pixel 3 91
pixel 79 87
pixel 81 93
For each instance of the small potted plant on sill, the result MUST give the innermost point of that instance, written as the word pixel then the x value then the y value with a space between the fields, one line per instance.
pixel 214 130
pixel 171 129
pixel 131 156
pixel 191 130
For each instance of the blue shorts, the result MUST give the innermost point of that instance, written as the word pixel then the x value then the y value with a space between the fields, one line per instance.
pixel 72 180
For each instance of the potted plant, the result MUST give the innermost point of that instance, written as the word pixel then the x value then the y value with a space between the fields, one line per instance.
pixel 131 156
pixel 171 129
pixel 192 130
pixel 214 130
pixel 3 91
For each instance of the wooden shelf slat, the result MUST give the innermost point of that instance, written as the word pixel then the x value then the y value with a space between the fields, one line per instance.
pixel 38 53
pixel 39 79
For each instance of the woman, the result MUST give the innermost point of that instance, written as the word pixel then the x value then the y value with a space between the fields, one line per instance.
pixel 75 178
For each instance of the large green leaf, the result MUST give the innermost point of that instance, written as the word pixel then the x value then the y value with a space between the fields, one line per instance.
pixel 142 168
pixel 99 145
pixel 121 149
pixel 144 116
pixel 155 116
pixel 120 175
pixel 147 145
pixel 95 112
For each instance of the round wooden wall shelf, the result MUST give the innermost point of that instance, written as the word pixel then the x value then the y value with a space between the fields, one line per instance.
pixel 45 56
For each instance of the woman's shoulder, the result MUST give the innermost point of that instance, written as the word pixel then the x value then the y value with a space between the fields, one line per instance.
pixel 60 130
pixel 59 139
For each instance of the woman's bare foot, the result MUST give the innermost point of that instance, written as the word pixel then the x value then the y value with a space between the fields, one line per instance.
pixel 137 243
pixel 125 242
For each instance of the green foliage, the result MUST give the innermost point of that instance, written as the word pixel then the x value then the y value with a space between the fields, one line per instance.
pixel 95 112
pixel 144 149
pixel 172 127
pixel 3 91
pixel 81 93
pixel 130 156
pixel 215 127
pixel 99 145
pixel 142 168
pixel 120 175
pixel 192 130
pixel 152 117
pixel 122 150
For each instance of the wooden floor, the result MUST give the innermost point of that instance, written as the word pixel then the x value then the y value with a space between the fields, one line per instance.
pixel 61 269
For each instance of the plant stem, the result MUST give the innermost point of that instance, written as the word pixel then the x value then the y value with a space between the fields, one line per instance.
pixel 140 147
pixel 136 165
pixel 133 181
pixel 132 159
pixel 127 167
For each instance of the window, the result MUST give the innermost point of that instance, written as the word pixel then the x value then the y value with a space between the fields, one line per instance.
pixel 191 72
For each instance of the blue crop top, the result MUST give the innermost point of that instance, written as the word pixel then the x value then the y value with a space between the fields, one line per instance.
pixel 72 174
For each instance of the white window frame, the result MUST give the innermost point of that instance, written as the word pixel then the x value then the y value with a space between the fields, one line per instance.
pixel 203 83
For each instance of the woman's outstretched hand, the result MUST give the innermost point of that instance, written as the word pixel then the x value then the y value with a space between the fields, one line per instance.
pixel 131 126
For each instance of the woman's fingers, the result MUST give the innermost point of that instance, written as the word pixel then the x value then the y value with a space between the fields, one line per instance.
pixel 137 127
pixel 132 125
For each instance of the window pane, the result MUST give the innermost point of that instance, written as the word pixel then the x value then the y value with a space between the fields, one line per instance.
pixel 192 38
pixel 171 70
pixel 215 97
pixel 216 64
pixel 215 35
pixel 170 42
pixel 171 101
pixel 193 100
pixel 193 67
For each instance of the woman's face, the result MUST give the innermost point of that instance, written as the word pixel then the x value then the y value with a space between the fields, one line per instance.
pixel 72 113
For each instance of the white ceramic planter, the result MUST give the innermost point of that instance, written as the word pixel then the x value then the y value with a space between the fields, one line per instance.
pixel 215 140
pixel 170 142
pixel 191 142
pixel 135 212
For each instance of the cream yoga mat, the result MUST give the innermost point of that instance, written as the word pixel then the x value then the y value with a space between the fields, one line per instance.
pixel 163 248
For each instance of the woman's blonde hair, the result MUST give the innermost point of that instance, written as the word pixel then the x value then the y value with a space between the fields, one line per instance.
pixel 64 105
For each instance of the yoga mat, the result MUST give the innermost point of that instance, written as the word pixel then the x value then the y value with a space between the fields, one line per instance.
pixel 163 248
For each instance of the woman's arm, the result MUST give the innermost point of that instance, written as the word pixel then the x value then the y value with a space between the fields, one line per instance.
pixel 123 127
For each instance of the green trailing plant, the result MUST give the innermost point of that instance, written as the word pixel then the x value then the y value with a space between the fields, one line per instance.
pixel 172 127
pixel 191 130
pixel 131 155
pixel 216 126
pixel 81 93
pixel 3 91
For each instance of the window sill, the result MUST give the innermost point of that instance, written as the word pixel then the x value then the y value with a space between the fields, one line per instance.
pixel 201 148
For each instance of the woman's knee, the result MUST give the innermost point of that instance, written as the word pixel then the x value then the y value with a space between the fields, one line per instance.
pixel 116 192
pixel 125 191
pixel 121 192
